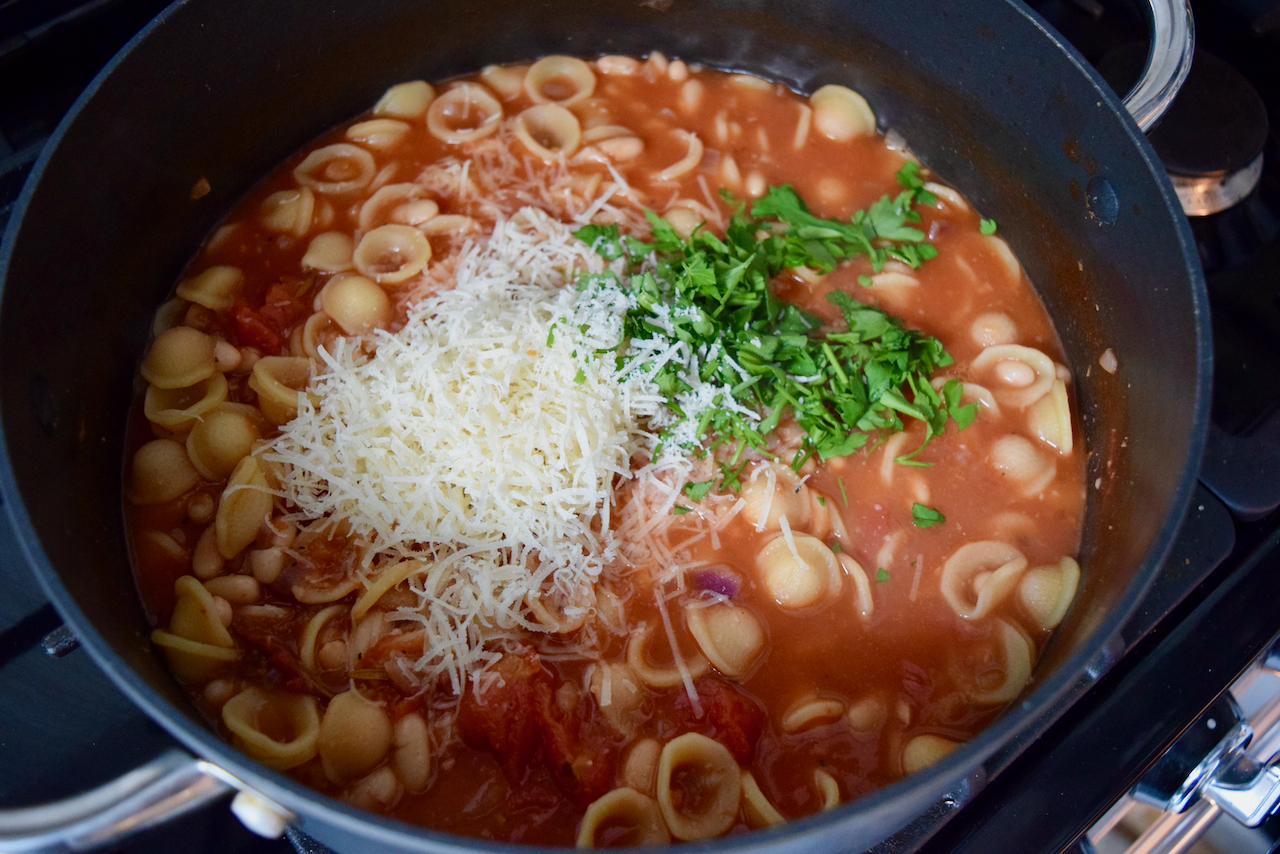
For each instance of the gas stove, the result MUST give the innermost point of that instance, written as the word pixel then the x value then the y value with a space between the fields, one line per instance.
pixel 1211 616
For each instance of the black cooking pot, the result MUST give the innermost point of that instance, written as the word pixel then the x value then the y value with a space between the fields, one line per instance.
pixel 225 89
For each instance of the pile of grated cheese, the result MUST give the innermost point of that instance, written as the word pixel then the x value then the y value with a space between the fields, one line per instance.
pixel 487 434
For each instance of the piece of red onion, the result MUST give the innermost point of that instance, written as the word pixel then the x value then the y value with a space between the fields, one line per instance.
pixel 717 579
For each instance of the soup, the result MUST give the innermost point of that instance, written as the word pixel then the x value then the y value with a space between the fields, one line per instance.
pixel 604 453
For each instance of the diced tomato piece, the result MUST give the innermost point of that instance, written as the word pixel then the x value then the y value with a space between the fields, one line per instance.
pixel 253 330
pixel 728 715
pixel 503 720
pixel 519 719
pixel 283 305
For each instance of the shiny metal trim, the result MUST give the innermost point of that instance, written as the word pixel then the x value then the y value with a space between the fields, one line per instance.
pixel 1202 196
pixel 168 786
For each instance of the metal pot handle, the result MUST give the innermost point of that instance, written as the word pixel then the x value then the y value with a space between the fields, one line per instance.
pixel 1173 42
pixel 168 786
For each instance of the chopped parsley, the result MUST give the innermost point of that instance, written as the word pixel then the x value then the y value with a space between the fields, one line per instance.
pixel 731 359
pixel 925 517
pixel 987 226
pixel 882 574
pixel 696 491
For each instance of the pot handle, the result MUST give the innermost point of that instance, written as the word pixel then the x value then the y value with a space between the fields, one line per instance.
pixel 1173 42
pixel 172 784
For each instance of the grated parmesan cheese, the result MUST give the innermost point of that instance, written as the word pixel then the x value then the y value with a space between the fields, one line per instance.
pixel 485 436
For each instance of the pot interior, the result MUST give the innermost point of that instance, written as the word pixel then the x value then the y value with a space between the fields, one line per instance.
pixel 224 92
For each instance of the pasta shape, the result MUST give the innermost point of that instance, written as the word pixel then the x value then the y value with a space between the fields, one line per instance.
pixel 279 729
pixel 561 80
pixel 336 169
pixel 160 472
pixel 390 254
pixel 179 409
pixel 659 677
pixel 924 750
pixel 1046 592
pixel 730 637
pixel 1017 375
pixel 356 304
pixel 214 288
pixel 465 113
pixel 1050 419
pixel 180 357
pixel 246 504
pixel 329 252
pixel 549 131
pixel 695 762
pixel 774 491
pixel 811 712
pixel 408 100
pixel 756 807
pixel 979 576
pixel 622 817
pixel 799 571
pixel 277 381
pixel 289 211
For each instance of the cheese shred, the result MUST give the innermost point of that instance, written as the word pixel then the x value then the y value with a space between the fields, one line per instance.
pixel 486 435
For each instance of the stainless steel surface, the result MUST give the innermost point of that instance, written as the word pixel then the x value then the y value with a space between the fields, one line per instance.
pixel 170 785
pixel 1204 196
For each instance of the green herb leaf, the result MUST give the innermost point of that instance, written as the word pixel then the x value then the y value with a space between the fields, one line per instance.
pixel 710 295
pixel 696 491
pixel 835 546
pixel 882 574
pixel 680 510
pixel 925 517
pixel 987 226
pixel 580 377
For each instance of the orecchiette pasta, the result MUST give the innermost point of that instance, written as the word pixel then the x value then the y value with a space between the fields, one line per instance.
pixel 1046 592
pixel 329 252
pixel 562 80
pixel 655 676
pixel 290 211
pixel 799 571
pixel 756 807
pixel 629 817
pixel 276 728
pixel 336 169
pixel 246 503
pixel 405 100
pixel 180 357
pixel 161 471
pixel 1017 375
pixel 465 113
pixel 979 576
pixel 390 254
pixel 924 750
pixel 693 763
pixel 215 287
pixel 549 131
pixel 730 637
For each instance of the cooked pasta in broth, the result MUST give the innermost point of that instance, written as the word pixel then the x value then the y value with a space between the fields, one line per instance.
pixel 604 453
